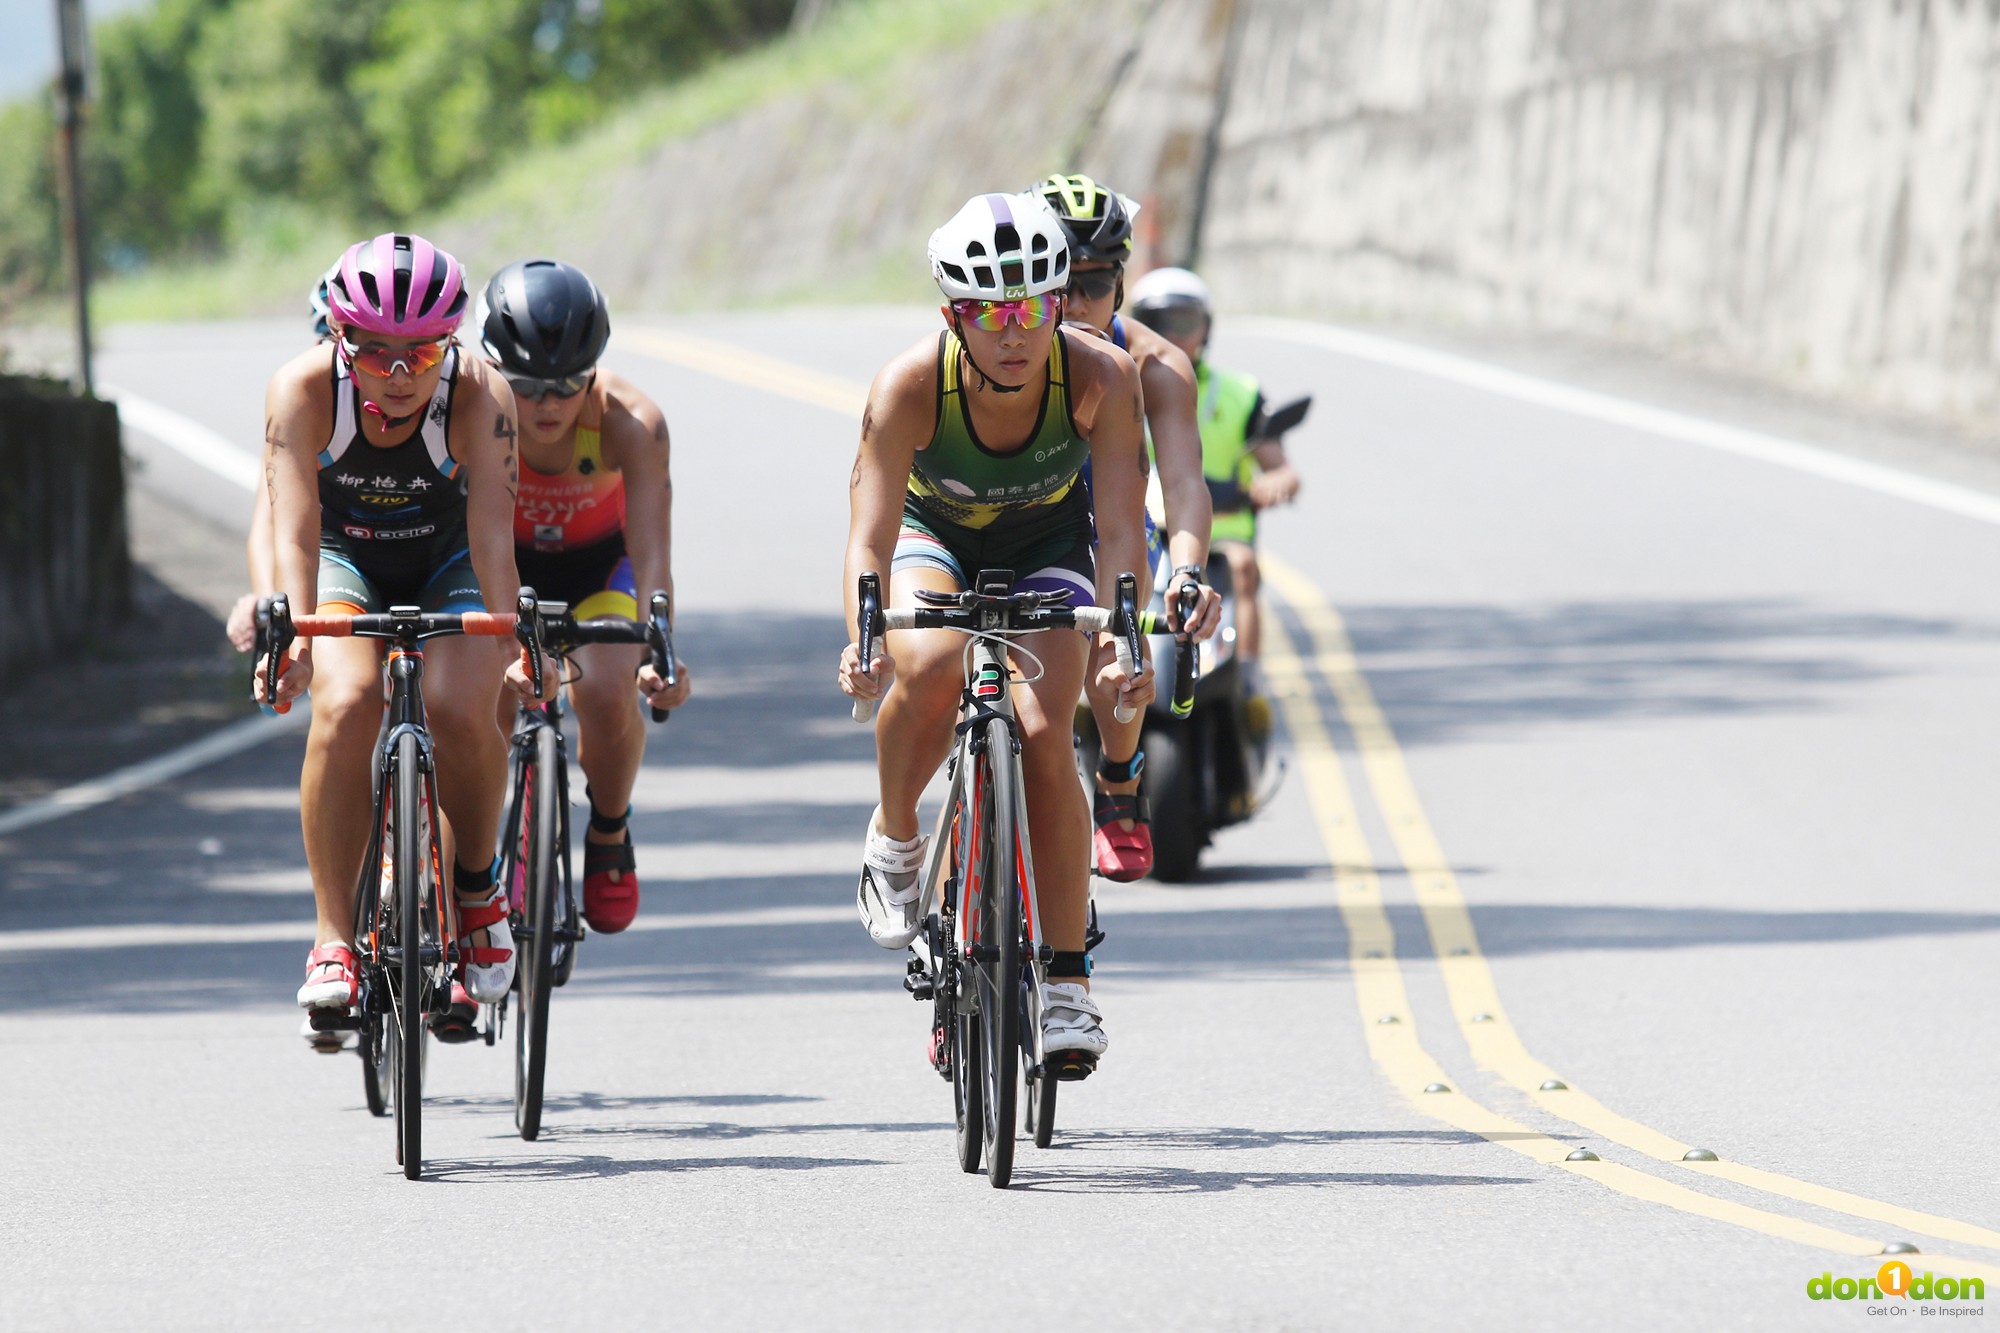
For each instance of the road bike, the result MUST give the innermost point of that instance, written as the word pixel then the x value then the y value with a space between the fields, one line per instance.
pixel 981 958
pixel 405 922
pixel 534 834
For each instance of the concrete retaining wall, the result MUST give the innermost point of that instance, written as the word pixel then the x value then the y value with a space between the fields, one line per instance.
pixel 64 567
pixel 1806 188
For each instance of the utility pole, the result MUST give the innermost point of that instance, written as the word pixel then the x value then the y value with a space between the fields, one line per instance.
pixel 75 92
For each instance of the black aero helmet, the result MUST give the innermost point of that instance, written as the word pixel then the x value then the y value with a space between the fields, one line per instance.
pixel 544 318
pixel 1098 220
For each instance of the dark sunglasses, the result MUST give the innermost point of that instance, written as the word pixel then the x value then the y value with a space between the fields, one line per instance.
pixel 534 389
pixel 1094 284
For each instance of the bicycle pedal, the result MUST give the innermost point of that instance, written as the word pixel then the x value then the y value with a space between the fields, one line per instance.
pixel 333 1020
pixel 917 981
pixel 1071 1066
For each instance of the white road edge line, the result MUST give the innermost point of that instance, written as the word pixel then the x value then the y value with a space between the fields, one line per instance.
pixel 185 436
pixel 1813 459
pixel 232 739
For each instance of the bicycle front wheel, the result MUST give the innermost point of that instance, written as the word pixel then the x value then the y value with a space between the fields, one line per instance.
pixel 1041 1088
pixel 997 960
pixel 535 836
pixel 406 927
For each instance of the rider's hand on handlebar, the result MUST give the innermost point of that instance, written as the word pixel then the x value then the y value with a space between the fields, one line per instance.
pixel 242 625
pixel 1207 617
pixel 1277 487
pixel 872 683
pixel 294 677
pixel 1135 691
pixel 521 681
pixel 658 693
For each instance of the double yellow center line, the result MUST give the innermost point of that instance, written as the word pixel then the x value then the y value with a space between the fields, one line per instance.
pixel 1382 1000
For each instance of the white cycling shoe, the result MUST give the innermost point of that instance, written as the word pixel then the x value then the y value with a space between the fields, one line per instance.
pixel 487 969
pixel 890 894
pixel 1071 1020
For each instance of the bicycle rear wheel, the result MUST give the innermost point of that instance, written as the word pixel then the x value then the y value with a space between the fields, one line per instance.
pixel 377 1078
pixel 997 960
pixel 406 1027
pixel 535 837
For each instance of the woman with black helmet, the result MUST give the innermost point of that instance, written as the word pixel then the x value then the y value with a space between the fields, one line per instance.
pixel 1099 223
pixel 592 527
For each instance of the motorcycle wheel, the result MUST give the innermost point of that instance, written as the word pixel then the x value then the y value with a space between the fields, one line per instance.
pixel 1178 831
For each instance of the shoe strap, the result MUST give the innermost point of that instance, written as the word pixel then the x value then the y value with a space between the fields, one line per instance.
pixel 1107 808
pixel 886 855
pixel 478 916
pixel 601 858
pixel 331 955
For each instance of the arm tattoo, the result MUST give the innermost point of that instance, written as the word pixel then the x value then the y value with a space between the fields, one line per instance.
pixel 271 479
pixel 503 429
pixel 854 482
pixel 867 421
pixel 660 431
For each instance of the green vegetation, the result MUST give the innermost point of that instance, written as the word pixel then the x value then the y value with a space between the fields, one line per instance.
pixel 857 49
pixel 218 119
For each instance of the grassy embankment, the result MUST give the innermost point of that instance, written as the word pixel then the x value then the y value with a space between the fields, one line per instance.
pixel 861 46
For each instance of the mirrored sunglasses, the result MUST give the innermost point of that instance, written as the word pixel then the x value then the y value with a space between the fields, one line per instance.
pixel 993 316
pixel 382 361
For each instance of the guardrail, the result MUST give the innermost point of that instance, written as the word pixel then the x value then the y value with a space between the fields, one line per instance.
pixel 64 563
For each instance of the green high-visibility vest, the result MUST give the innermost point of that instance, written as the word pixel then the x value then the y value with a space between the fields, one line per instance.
pixel 1223 407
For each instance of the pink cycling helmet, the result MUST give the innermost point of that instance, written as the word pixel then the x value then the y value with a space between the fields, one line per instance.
pixel 398 285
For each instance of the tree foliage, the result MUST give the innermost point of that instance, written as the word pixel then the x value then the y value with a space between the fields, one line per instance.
pixel 213 115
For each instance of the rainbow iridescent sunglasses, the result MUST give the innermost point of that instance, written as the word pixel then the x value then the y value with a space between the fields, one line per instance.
pixel 382 361
pixel 992 316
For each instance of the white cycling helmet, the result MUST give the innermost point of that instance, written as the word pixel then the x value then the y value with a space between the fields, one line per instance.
pixel 1000 247
pixel 1166 288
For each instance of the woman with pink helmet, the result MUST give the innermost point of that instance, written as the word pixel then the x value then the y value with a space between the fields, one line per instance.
pixel 390 464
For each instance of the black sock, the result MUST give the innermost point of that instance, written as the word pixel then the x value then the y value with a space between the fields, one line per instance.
pixel 472 883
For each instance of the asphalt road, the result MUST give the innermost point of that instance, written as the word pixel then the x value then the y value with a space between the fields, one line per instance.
pixel 1658 770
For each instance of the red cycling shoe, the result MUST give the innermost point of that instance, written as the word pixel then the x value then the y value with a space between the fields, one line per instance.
pixel 331 981
pixel 1122 854
pixel 610 878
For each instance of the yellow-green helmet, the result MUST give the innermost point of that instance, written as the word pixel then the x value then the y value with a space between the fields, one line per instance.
pixel 1098 220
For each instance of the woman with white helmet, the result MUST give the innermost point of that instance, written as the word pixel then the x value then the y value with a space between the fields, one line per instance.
pixel 1245 467
pixel 970 451
pixel 391 472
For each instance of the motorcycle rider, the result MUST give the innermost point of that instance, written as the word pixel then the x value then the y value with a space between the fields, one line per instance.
pixel 1246 471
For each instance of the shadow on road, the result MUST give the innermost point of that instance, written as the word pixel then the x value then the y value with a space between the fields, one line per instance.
pixel 517 1170
pixel 1178 1180
pixel 1443 672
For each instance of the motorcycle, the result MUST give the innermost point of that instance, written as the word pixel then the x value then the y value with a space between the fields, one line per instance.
pixel 1208 744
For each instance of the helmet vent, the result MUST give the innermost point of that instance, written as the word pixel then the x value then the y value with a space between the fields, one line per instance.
pixel 952 271
pixel 975 248
pixel 982 275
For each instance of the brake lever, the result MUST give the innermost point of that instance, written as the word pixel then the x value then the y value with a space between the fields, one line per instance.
pixel 1127 627
pixel 867 619
pixel 660 637
pixel 275 635
pixel 1187 656
pixel 528 629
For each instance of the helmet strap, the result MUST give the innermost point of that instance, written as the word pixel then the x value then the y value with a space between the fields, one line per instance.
pixel 388 422
pixel 985 379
